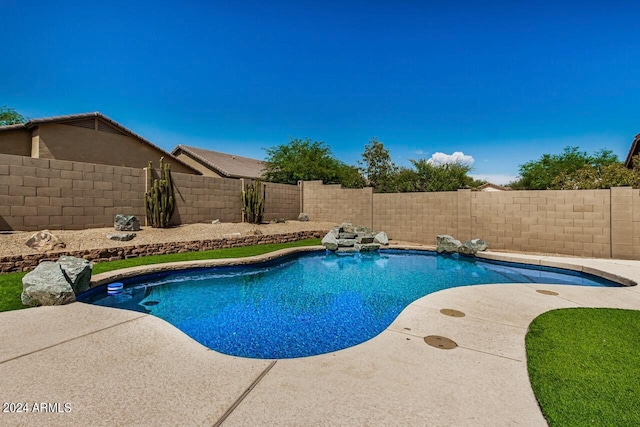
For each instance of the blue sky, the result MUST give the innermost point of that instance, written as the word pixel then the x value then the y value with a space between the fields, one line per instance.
pixel 502 82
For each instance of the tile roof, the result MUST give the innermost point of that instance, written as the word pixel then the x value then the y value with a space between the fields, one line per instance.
pixel 72 117
pixel 494 186
pixel 227 165
pixel 634 150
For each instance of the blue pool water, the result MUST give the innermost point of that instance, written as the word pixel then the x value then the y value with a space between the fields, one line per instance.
pixel 310 303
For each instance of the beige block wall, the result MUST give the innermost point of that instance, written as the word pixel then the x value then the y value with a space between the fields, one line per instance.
pixel 416 217
pixel 204 199
pixel 336 204
pixel 73 143
pixel 589 223
pixel 40 193
pixel 37 194
pixel 282 201
pixel 565 222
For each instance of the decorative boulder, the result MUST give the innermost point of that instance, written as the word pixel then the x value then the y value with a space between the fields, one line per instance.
pixel 215 221
pixel 303 217
pixel 56 283
pixel 122 237
pixel 126 223
pixel 347 227
pixel 77 271
pixel 367 247
pixel 471 247
pixel 364 238
pixel 330 241
pixel 447 244
pixel 45 241
pixel 381 238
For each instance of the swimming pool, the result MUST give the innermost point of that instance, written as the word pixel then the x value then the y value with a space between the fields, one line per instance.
pixel 311 303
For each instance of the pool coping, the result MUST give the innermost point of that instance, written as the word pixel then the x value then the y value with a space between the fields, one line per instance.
pixel 604 270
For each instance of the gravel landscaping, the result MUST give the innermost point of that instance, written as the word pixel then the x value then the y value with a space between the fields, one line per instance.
pixel 13 243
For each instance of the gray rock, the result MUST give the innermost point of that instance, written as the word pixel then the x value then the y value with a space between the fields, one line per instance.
pixel 347 227
pixel 345 243
pixel 46 285
pixel 365 238
pixel 364 230
pixel 480 244
pixel 330 241
pixel 215 221
pixel 45 241
pixel 77 272
pixel 347 235
pixel 303 217
pixel 447 244
pixel 381 238
pixel 126 223
pixel 367 247
pixel 278 221
pixel 471 247
pixel 122 237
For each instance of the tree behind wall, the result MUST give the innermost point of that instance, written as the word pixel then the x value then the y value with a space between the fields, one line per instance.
pixel 306 160
pixel 550 171
pixel 9 116
pixel 377 167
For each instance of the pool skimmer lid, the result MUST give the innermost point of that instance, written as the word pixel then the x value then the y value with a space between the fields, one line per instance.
pixel 545 292
pixel 437 341
pixel 452 313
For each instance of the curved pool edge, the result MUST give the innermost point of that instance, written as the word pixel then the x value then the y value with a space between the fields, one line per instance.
pixel 125 273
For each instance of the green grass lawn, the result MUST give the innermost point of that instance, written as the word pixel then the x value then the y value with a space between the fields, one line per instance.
pixel 11 284
pixel 584 366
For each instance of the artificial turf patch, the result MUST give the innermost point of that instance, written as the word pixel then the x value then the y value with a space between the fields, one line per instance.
pixel 584 366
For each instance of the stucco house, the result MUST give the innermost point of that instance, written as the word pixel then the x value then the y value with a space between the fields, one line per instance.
pixel 492 187
pixel 214 163
pixel 88 137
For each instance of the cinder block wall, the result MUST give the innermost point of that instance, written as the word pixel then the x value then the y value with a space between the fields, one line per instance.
pixel 569 222
pixel 416 217
pixel 282 201
pixel 336 204
pixel 40 193
pixel 203 198
pixel 591 223
pixel 36 194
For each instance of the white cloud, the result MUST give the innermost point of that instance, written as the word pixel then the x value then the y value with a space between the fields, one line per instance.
pixel 500 179
pixel 457 157
pixel 419 152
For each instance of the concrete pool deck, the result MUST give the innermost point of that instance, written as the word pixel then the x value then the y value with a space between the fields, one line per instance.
pixel 116 367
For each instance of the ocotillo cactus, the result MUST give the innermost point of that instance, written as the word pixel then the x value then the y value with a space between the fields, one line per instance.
pixel 159 199
pixel 253 202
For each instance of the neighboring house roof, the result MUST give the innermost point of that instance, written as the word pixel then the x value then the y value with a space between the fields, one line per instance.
pixel 633 151
pixel 488 186
pixel 83 116
pixel 226 165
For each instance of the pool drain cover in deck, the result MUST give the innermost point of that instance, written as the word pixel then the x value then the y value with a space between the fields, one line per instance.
pixel 545 292
pixel 440 342
pixel 452 313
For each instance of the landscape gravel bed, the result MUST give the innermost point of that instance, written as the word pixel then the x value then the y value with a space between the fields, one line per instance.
pixel 76 240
